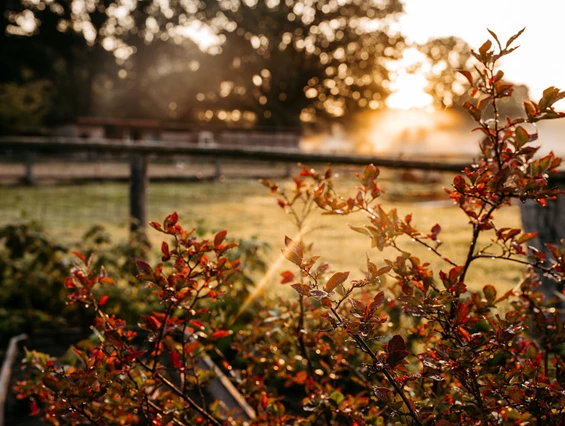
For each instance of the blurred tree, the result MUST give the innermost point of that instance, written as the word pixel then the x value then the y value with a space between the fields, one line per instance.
pixel 442 57
pixel 96 54
pixel 23 106
pixel 302 60
pixel 271 62
pixel 151 41
pixel 55 41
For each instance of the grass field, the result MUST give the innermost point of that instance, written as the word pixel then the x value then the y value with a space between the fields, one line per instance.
pixel 246 209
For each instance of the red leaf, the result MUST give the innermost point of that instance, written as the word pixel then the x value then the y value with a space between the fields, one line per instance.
pixel 165 251
pixel 33 408
pixel 435 232
pixel 383 394
pixel 143 267
pixel 69 283
pixel 155 225
pixel 220 236
pixel 191 347
pixel 287 277
pixel 455 273
pixel 80 256
pixel 220 333
pixel 358 306
pixel 196 323
pixel 378 300
pixel 462 313
pixel 303 289
pixel 103 300
pixel 396 344
pixel 171 220
pixel 175 359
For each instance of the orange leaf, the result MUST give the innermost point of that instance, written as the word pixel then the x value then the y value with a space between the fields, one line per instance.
pixel 335 280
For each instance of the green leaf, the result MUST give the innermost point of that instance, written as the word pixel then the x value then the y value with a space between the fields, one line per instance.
pixel 522 137
pixel 337 397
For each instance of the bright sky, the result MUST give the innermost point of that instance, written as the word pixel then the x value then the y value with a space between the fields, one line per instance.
pixel 540 60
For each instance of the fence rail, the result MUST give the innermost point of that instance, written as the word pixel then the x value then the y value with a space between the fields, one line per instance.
pixel 139 151
pixel 240 152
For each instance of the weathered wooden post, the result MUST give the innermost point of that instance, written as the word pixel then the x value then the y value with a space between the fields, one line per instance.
pixel 288 170
pixel 217 169
pixel 28 178
pixel 138 183
pixel 549 223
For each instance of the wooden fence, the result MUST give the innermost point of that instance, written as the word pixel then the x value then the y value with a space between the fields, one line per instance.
pixel 139 151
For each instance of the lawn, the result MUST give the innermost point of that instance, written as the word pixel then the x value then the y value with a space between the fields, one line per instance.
pixel 247 209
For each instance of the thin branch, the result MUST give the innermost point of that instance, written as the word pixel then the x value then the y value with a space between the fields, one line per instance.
pixel 184 397
pixel 365 348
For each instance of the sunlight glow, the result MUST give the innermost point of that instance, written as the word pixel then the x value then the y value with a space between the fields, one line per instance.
pixel 275 266
pixel 409 92
pixel 201 34
pixel 415 132
pixel 408 89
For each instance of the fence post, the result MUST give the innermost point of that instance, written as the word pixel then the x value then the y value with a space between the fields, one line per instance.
pixel 549 223
pixel 28 177
pixel 217 169
pixel 288 170
pixel 138 183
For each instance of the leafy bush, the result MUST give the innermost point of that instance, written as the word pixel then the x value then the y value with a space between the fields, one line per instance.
pixel 32 268
pixel 400 344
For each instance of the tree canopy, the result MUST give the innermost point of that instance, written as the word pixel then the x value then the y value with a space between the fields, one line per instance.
pixel 276 63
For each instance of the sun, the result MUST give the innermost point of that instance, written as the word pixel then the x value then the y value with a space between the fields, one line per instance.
pixel 409 92
pixel 408 88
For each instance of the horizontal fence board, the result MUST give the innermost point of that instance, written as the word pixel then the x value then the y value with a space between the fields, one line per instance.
pixel 219 151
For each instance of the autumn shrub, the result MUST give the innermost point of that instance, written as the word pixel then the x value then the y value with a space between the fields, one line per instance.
pixel 398 344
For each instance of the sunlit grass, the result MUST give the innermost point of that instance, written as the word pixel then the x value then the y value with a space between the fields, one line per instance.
pixel 246 209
